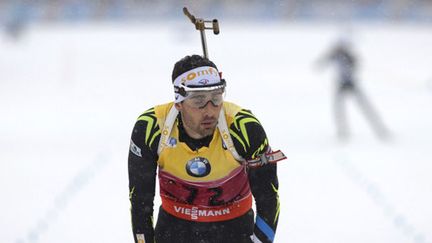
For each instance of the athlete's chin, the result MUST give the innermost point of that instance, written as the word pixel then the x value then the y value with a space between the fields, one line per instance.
pixel 208 130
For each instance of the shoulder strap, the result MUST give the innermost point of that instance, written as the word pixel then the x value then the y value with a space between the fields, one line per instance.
pixel 226 137
pixel 166 130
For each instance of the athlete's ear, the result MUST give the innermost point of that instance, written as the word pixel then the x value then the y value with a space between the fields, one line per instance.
pixel 178 106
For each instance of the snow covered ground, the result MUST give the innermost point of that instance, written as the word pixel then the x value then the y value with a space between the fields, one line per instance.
pixel 69 96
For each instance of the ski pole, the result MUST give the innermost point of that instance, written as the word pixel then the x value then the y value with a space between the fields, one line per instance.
pixel 200 24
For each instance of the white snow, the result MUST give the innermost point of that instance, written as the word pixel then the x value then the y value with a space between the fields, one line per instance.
pixel 69 96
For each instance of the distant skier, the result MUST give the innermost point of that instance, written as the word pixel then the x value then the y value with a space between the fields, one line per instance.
pixel 346 63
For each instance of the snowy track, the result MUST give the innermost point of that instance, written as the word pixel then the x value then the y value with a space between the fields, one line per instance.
pixel 69 96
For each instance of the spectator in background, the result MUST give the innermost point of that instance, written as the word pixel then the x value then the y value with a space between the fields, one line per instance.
pixel 17 20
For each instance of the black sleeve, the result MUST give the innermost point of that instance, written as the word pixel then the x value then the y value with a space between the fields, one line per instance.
pixel 142 165
pixel 251 141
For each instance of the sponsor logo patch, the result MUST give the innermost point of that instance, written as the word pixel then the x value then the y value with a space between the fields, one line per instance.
pixel 172 142
pixel 198 167
pixel 135 149
pixel 195 212
pixel 204 81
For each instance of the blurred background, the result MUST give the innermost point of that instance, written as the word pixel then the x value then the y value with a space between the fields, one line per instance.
pixel 75 74
pixel 284 10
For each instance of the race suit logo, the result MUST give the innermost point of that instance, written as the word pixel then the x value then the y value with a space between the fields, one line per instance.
pixel 172 142
pixel 198 167
pixel 195 212
pixel 135 149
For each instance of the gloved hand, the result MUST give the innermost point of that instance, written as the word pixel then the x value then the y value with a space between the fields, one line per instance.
pixel 140 238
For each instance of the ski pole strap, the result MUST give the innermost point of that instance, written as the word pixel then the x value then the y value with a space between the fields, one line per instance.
pixel 266 158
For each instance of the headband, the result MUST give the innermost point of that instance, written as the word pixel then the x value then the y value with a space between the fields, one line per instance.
pixel 203 78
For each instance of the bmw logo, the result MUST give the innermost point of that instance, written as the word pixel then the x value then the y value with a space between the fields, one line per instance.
pixel 198 167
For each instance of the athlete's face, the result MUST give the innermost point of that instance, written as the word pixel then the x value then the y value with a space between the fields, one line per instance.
pixel 200 112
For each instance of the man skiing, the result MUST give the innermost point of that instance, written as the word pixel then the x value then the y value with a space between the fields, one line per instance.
pixel 346 64
pixel 213 158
